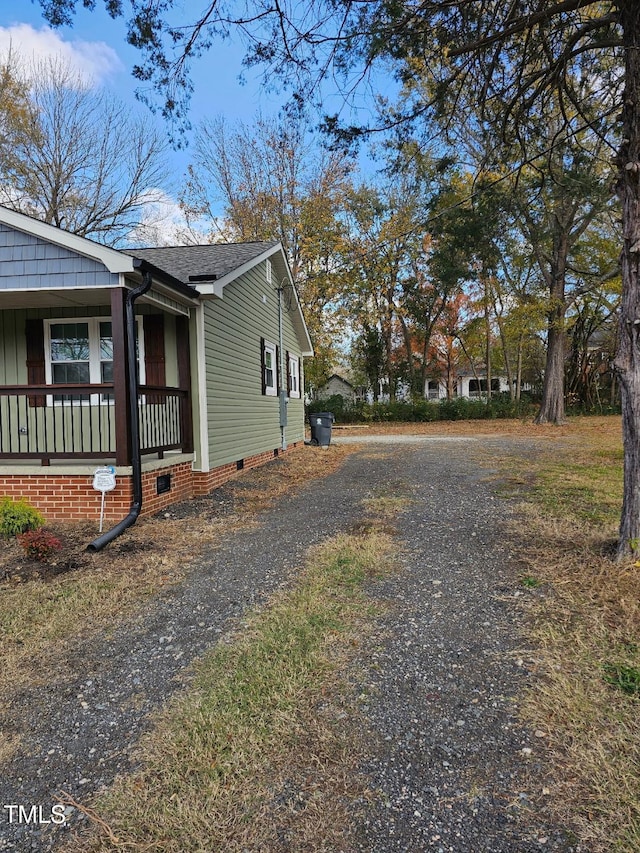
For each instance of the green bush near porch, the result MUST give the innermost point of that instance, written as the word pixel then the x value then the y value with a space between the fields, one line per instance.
pixel 18 517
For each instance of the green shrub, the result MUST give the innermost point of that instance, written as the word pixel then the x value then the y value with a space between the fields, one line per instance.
pixel 458 409
pixel 17 517
pixel 335 404
pixel 343 410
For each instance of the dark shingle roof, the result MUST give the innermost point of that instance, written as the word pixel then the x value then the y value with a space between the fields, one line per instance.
pixel 193 264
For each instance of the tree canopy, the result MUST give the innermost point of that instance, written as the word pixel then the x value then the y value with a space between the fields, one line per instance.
pixel 523 51
pixel 578 60
pixel 71 156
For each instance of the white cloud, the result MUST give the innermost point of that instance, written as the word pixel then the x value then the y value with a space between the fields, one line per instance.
pixel 162 222
pixel 94 61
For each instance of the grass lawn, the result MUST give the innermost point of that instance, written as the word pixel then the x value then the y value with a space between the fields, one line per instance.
pixel 584 628
pixel 252 718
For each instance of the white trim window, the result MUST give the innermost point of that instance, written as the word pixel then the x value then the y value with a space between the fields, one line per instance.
pixel 68 355
pixel 293 374
pixel 269 369
pixel 80 351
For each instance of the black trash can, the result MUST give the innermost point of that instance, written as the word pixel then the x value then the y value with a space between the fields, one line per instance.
pixel 320 423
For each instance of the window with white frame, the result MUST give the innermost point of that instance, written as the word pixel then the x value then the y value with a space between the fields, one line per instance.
pixel 269 369
pixel 80 352
pixel 68 356
pixel 294 375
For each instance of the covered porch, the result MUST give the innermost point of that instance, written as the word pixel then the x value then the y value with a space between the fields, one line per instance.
pixel 85 422
pixel 65 390
pixel 47 418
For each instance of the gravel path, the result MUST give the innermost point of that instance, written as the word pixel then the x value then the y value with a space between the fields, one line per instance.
pixel 454 767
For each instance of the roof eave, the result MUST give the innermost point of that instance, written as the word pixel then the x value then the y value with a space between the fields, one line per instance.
pixel 216 288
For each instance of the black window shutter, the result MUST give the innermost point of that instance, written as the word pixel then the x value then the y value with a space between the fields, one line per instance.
pixel 36 375
pixel 154 360
pixel 278 377
pixel 286 361
pixel 263 367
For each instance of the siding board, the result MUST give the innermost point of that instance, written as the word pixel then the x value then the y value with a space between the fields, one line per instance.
pixel 242 421
pixel 13 353
pixel 26 262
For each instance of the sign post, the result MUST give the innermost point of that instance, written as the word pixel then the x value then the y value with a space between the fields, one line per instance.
pixel 104 480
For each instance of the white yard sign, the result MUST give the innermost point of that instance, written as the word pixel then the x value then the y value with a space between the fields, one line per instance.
pixel 104 480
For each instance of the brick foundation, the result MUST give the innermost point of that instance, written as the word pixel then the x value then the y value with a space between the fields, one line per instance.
pixel 206 481
pixel 61 496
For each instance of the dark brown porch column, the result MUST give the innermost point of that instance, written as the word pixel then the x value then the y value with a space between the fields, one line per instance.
pixel 120 377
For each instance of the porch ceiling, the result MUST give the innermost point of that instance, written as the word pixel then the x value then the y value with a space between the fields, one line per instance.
pixel 78 298
pixel 67 298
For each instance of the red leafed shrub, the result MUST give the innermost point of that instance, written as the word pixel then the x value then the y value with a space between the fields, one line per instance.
pixel 39 544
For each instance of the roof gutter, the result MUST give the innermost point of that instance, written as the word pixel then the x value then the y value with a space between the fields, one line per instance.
pixel 136 456
pixel 144 266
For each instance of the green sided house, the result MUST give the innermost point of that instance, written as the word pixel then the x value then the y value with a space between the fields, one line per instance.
pixel 173 367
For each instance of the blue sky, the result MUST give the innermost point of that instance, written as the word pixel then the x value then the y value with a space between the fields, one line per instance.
pixel 96 47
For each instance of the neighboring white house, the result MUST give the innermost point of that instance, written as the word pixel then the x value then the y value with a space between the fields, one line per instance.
pixel 467 385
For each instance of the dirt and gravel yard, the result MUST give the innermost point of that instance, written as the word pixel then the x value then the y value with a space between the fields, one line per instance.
pixel 432 698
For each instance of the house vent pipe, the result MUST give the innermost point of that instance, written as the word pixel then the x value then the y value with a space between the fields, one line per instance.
pixel 136 457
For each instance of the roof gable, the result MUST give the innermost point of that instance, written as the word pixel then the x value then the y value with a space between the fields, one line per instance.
pixel 113 260
pixel 335 377
pixel 211 267
pixel 196 265
pixel 28 262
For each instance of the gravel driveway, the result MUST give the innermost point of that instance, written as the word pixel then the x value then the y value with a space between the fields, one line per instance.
pixel 455 769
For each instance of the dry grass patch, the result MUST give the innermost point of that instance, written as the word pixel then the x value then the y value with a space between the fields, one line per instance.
pixel 44 607
pixel 258 754
pixel 386 507
pixel 288 474
pixel 9 744
pixel 587 633
pixel 451 428
pixel 593 427
pixel 41 617
pixel 585 611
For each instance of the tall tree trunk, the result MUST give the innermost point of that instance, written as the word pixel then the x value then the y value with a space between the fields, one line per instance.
pixel 387 336
pixel 552 405
pixel 472 366
pixel 627 363
pixel 518 388
pixel 450 376
pixel 406 339
pixel 505 355
pixel 487 331
pixel 429 324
